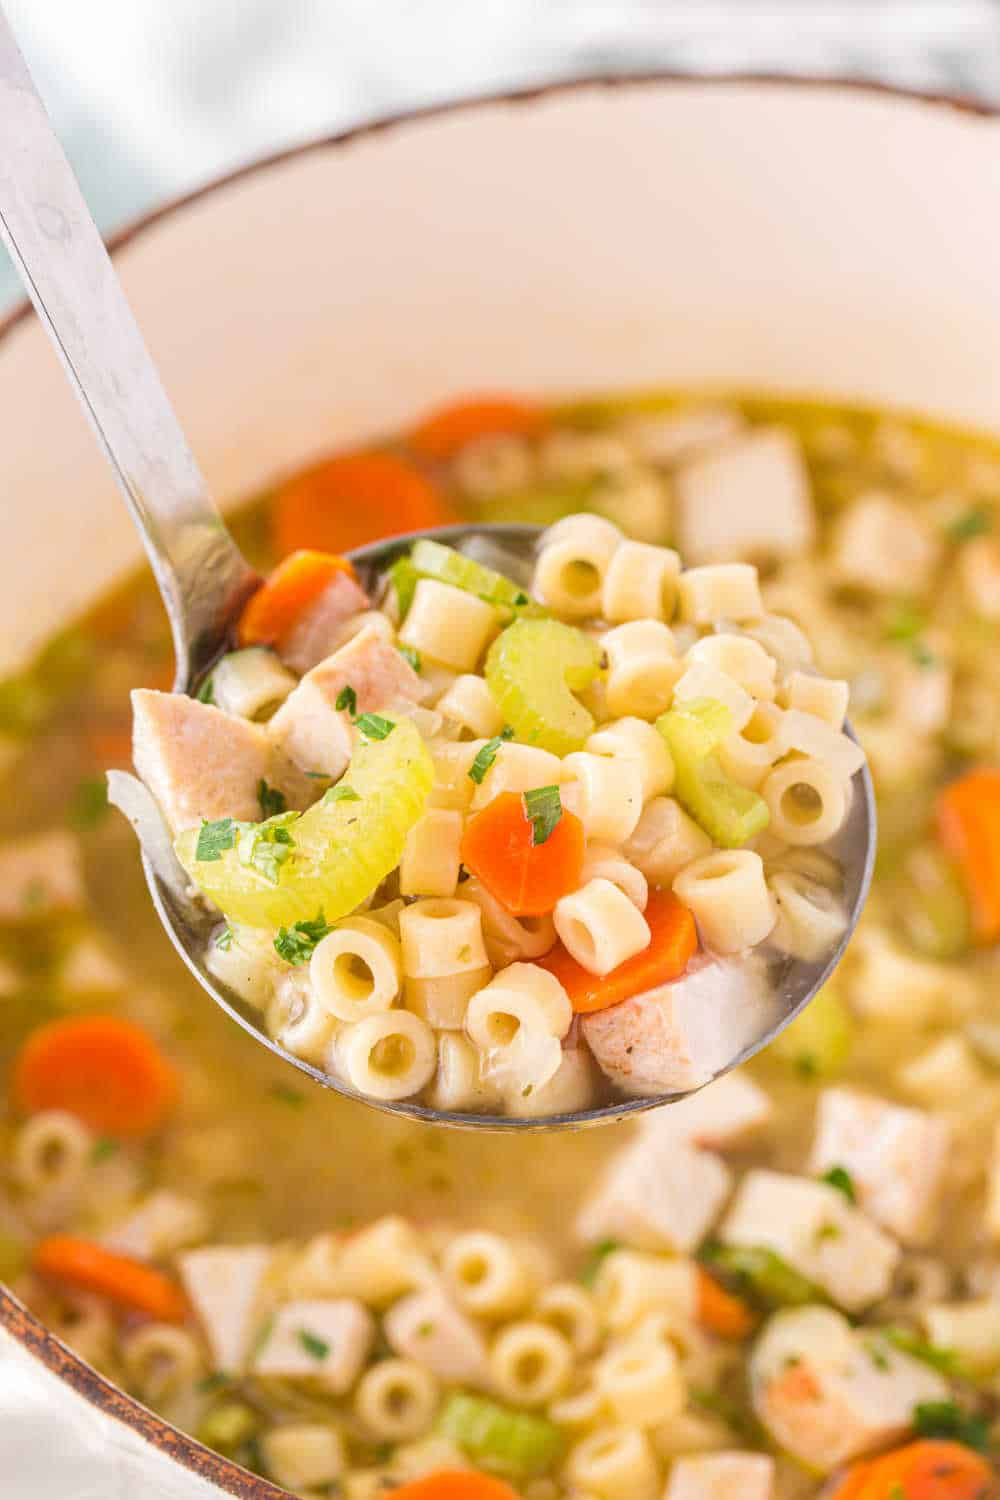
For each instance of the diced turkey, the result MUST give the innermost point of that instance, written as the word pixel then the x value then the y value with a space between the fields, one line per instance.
pixel 39 876
pixel 426 1327
pixel 731 1112
pixel 660 1193
pixel 326 1340
pixel 223 1284
pixel 722 1476
pixel 318 628
pixel 197 761
pixel 748 499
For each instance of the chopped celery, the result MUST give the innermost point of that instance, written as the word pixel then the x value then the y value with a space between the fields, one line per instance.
pixel 403 579
pixel 339 850
pixel 434 560
pixel 228 1426
pixel 729 813
pixel 761 1276
pixel 818 1042
pixel 516 1444
pixel 533 668
pixel 931 905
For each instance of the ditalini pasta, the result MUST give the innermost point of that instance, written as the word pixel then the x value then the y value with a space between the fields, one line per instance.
pixel 495 800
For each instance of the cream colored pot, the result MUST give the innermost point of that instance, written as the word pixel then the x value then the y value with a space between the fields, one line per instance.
pixel 800 236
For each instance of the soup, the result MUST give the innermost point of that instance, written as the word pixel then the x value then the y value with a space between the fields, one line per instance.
pixel 791 1271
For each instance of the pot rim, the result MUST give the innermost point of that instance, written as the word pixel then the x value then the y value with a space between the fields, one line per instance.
pixel 15 1318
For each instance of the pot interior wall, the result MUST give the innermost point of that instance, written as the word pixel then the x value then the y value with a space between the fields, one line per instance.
pixel 823 239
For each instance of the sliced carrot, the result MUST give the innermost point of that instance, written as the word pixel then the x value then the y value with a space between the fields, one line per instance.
pixel 109 745
pixel 455 1484
pixel 90 1267
pixel 106 1071
pixel 447 430
pixel 356 498
pixel 527 878
pixel 673 943
pixel 295 584
pixel 721 1312
pixel 968 819
pixel 930 1469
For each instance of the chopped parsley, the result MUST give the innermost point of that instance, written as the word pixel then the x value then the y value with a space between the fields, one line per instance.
pixel 286 1094
pixel 826 1231
pixel 544 809
pixel 374 727
pixel 296 944
pixel 943 1360
pixel 261 1339
pixel 877 1355
pixel 487 755
pixel 972 523
pixel 411 655
pixel 89 804
pixel 841 1179
pixel 341 793
pixel 760 1276
pixel 209 1384
pixel 946 1419
pixel 206 690
pixel 214 839
pixel 596 1256
pixel 347 698
pixel 906 622
pixel 103 1149
pixel 314 1346
pixel 266 847
pixel 224 940
pixel 272 802
pixel 521 599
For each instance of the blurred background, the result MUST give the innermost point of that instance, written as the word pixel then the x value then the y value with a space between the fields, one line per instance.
pixel 154 97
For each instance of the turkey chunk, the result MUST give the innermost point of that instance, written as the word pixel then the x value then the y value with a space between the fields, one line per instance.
pixel 163 1223
pixel 675 1038
pixel 318 629
pixel 722 1476
pixel 896 1157
pixel 749 498
pixel 727 1114
pixel 429 1329
pixel 660 1193
pixel 828 1393
pixel 197 761
pixel 312 731
pixel 223 1284
pixel 884 546
pixel 39 876
pixel 813 1227
pixel 327 1340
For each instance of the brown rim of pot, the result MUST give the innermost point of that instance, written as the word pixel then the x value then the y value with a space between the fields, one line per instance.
pixel 14 1317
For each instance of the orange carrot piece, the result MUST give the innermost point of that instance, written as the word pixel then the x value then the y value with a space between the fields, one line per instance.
pixel 106 1071
pixel 296 583
pixel 968 819
pixel 673 943
pixel 446 431
pixel 721 1312
pixel 89 1267
pixel 110 745
pixel 455 1484
pixel 352 499
pixel 929 1469
pixel 527 878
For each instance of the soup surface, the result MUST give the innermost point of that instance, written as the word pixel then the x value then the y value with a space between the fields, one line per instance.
pixel 794 1270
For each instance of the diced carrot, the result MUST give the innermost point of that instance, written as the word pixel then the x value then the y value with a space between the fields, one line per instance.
pixel 105 1070
pixel 527 878
pixel 297 582
pixel 90 1267
pixel 673 943
pixel 968 819
pixel 109 745
pixel 447 430
pixel 721 1312
pixel 930 1469
pixel 352 499
pixel 455 1484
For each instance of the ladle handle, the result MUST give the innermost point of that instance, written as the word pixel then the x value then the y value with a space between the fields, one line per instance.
pixel 55 244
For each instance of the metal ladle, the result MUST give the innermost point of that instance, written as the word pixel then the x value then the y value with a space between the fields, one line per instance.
pixel 202 576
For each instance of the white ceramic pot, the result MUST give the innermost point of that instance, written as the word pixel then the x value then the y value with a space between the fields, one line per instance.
pixel 809 237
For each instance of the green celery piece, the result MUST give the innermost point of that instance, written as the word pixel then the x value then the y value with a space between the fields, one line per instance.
pixel 516 1444
pixel 931 905
pixel 533 668
pixel 818 1042
pixel 342 849
pixel 761 1276
pixel 227 1426
pixel 729 813
pixel 434 560
pixel 404 578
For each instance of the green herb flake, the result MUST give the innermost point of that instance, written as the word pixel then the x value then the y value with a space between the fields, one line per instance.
pixel 267 847
pixel 923 655
pixel 412 655
pixel 224 940
pixel 946 1419
pixel 878 1356
pixel 272 802
pixel 543 807
pixel 905 623
pixel 596 1256
pixel 374 727
pixel 341 793
pixel 261 1339
pixel 214 839
pixel 314 1346
pixel 103 1149
pixel 943 1360
pixel 487 755
pixel 347 698
pixel 296 944
pixel 826 1231
pixel 286 1094
pixel 970 524
pixel 89 803
pixel 210 1384
pixel 841 1179
pixel 206 691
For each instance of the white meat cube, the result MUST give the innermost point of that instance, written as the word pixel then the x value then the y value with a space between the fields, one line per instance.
pixel 316 631
pixel 425 1326
pixel 89 969
pixel 671 437
pixel 197 761
pixel 946 1073
pixel 223 1284
pixel 884 546
pixel 749 499
pixel 813 1227
pixel 727 1114
pixel 40 876
pixel 722 1476
pixel 660 1193
pixel 678 1036
pixel 162 1224
pixel 829 1393
pixel 311 730
pixel 887 985
pixel 327 1341
pixel 896 1158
